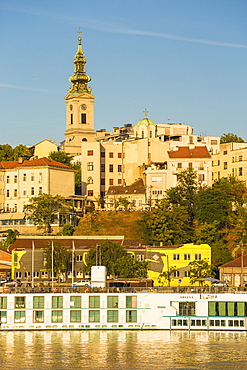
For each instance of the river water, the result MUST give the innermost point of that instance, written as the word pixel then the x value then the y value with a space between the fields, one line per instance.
pixel 123 350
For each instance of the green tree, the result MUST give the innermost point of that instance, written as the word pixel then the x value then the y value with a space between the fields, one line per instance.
pixel 77 168
pixel 6 153
pixel 213 205
pixel 61 256
pixel 10 238
pixel 62 157
pixel 230 138
pixel 44 209
pixel 165 276
pixel 68 230
pixel 185 193
pixel 21 151
pixel 118 263
pixel 124 202
pixel 200 269
pixel 167 224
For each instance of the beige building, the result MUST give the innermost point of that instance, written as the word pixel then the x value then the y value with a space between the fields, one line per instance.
pixel 231 160
pixel 42 149
pixel 122 157
pixel 23 180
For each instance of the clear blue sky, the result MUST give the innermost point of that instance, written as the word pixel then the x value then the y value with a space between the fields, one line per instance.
pixel 185 60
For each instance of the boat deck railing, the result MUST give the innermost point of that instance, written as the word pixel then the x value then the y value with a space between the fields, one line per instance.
pixel 165 290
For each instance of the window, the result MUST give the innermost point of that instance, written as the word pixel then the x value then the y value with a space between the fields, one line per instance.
pixel 40 177
pixel 131 316
pixel 32 176
pixel 176 257
pixel 71 118
pixel 187 273
pixel 18 275
pixel 111 182
pixel 187 309
pixel 20 316
pixel 102 181
pixel 56 316
pixel 20 302
pixel 83 118
pixel 7 193
pixel 190 165
pixel 38 316
pixel 40 189
pixel 187 257
pixel 112 316
pixel 24 177
pixel 75 301
pixel 140 257
pixel 214 142
pixel 8 179
pixel 44 274
pixel 94 301
pixel 38 302
pixel 142 134
pixel 57 302
pixel 240 158
pixel 79 258
pixel 75 316
pixel 94 315
pixel 90 180
pixel 131 301
pixel 225 165
pixel 15 192
pixel 15 179
pixel 110 167
pixel 3 302
pixel 102 154
pixel 111 155
pixel 176 274
pixel 119 155
pixel 140 202
pixel 90 193
pixel 90 152
pixel 224 152
pixel 198 256
pixel 119 181
pixel 119 168
pixel 24 192
pixel 102 167
pixel 90 166
pixel 36 274
pixel 179 165
pixel 150 134
pixel 112 301
pixel 201 177
pixel 27 274
pixel 32 191
pixel 240 171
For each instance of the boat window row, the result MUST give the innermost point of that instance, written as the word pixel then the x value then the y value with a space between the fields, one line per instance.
pixel 75 302
pixel 227 309
pixel 94 316
pixel 212 323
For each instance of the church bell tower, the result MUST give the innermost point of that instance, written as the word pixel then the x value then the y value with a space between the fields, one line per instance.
pixel 79 106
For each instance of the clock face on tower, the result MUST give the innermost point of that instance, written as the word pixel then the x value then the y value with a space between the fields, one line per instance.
pixel 83 107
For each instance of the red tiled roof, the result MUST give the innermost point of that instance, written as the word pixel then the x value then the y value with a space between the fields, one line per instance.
pixel 236 262
pixel 40 162
pixel 137 187
pixel 187 152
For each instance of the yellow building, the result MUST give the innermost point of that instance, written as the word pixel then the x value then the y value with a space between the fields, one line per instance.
pixel 42 149
pixel 164 259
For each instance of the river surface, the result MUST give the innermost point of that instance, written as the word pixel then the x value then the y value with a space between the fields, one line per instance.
pixel 123 350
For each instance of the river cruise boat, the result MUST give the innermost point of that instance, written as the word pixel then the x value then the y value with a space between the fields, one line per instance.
pixel 112 309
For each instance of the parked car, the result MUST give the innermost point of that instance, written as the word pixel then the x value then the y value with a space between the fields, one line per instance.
pixel 13 282
pixel 81 283
pixel 2 281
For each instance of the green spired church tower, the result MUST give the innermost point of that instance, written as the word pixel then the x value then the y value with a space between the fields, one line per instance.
pixel 79 106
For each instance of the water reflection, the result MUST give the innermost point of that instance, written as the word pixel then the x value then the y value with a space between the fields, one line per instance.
pixel 122 350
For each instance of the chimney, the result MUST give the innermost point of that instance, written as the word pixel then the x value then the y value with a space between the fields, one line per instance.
pixel 20 160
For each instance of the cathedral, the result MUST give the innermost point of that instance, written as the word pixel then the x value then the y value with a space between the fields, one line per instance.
pixel 147 154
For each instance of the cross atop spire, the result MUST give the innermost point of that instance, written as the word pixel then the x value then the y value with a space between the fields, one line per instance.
pixel 145 113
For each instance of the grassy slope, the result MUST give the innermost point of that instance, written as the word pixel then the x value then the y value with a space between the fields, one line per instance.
pixel 110 223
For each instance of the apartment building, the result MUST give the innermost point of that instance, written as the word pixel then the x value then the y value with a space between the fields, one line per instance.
pixel 231 160
pixel 21 180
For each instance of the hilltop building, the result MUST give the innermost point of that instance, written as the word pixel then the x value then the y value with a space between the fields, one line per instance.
pixel 131 152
